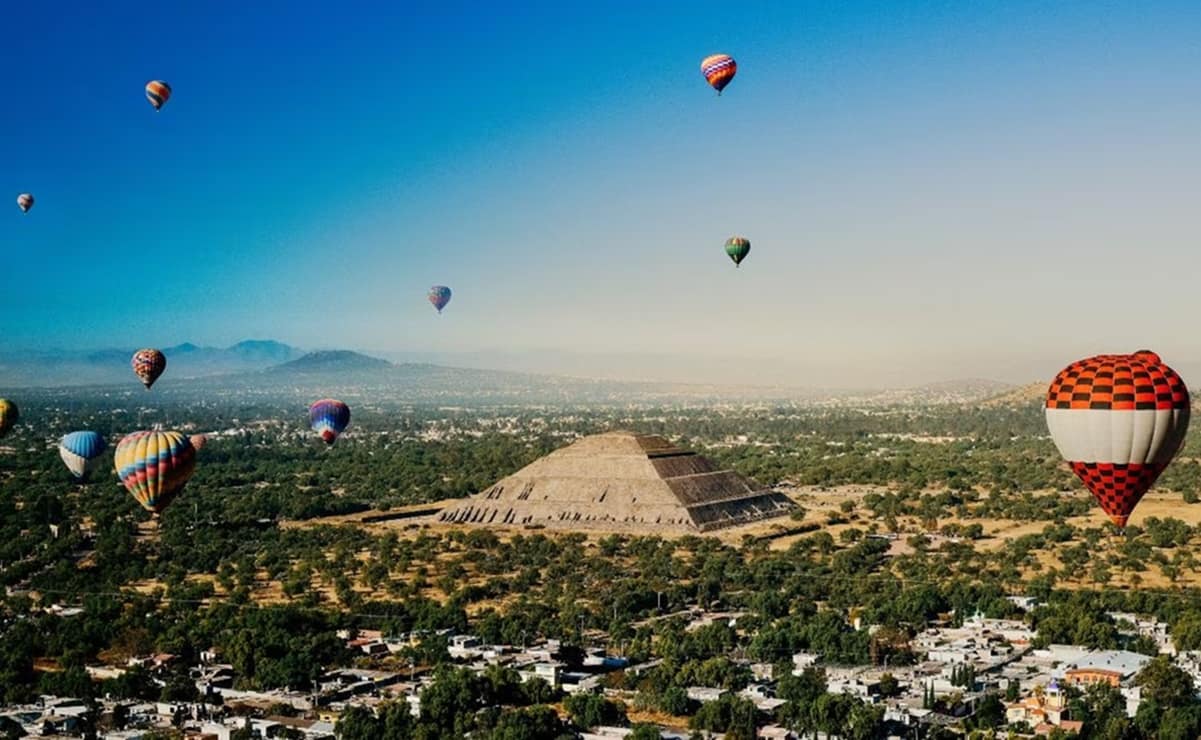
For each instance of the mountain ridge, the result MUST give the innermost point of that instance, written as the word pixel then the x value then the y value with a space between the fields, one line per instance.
pixel 253 363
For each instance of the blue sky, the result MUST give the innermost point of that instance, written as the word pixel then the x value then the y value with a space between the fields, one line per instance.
pixel 932 189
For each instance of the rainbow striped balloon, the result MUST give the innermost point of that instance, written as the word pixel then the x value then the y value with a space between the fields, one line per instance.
pixel 718 70
pixel 155 466
pixel 8 415
pixel 158 93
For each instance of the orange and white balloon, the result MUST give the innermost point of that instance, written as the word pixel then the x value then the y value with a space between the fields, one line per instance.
pixel 1118 420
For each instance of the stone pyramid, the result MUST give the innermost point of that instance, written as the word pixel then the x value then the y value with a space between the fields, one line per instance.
pixel 621 481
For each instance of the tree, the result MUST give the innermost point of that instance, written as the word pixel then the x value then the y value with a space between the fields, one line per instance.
pixel 989 713
pixel 1186 632
pixel 643 731
pixel 590 710
pixel 538 691
pixel 11 729
pixel 1180 723
pixel 1103 708
pixel 832 713
pixel 865 721
pixel 449 704
pixel 397 721
pixel 675 701
pixel 800 693
pixel 1166 685
pixel 889 686
pixel 529 723
pixel 357 723
pixel 730 714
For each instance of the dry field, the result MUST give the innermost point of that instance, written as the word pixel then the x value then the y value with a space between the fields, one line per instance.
pixel 821 504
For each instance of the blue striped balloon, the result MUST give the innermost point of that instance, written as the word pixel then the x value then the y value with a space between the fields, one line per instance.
pixel 81 452
pixel 329 418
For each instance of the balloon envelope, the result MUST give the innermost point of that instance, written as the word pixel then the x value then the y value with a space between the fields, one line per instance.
pixel 329 418
pixel 738 247
pixel 1118 420
pixel 718 70
pixel 8 415
pixel 158 93
pixel 155 466
pixel 198 440
pixel 148 364
pixel 25 202
pixel 439 296
pixel 81 452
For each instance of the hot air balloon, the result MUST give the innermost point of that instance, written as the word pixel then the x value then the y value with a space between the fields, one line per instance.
pixel 158 93
pixel 198 441
pixel 155 466
pixel 718 70
pixel 25 202
pixel 148 364
pixel 329 418
pixel 439 295
pixel 738 248
pixel 1118 420
pixel 8 415
pixel 81 452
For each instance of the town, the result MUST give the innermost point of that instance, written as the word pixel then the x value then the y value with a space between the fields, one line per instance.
pixel 962 668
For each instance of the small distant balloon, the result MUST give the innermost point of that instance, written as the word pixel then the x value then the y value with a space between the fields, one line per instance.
pixel 198 441
pixel 81 452
pixel 148 364
pixel 155 466
pixel 439 296
pixel 738 247
pixel 25 202
pixel 158 93
pixel 8 416
pixel 719 69
pixel 329 418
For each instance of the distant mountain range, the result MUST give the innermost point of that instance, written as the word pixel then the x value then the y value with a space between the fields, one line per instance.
pixel 187 360
pixel 326 361
pixel 266 367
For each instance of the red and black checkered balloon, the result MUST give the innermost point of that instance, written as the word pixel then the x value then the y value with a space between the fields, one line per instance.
pixel 1118 420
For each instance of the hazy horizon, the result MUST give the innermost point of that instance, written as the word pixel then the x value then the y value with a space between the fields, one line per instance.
pixel 651 367
pixel 932 191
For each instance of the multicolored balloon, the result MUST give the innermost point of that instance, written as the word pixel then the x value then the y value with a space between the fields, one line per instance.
pixel 148 364
pixel 718 70
pixel 1118 420
pixel 329 418
pixel 81 452
pixel 155 466
pixel 8 415
pixel 158 93
pixel 738 247
pixel 25 202
pixel 439 296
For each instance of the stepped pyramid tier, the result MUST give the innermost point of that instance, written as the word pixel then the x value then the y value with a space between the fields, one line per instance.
pixel 621 481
